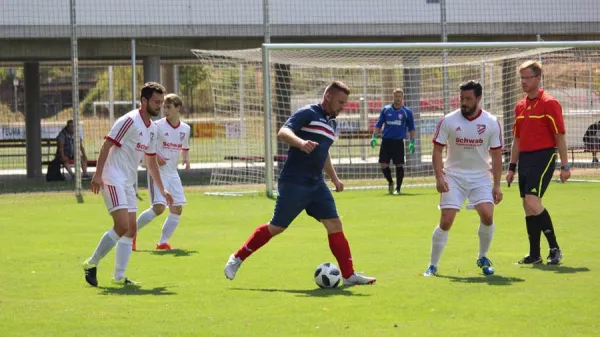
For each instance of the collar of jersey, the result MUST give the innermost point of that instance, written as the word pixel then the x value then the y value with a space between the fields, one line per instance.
pixel 323 113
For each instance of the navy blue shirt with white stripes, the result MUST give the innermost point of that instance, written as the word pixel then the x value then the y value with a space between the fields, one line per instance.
pixel 309 123
pixel 396 122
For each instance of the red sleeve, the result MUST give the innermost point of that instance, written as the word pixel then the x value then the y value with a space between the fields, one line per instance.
pixel 113 141
pixel 554 113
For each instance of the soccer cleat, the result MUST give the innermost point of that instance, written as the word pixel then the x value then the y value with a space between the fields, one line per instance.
pixel 554 256
pixel 530 260
pixel 431 271
pixel 133 244
pixel 358 279
pixel 163 246
pixel 391 188
pixel 125 282
pixel 90 273
pixel 486 265
pixel 397 191
pixel 232 266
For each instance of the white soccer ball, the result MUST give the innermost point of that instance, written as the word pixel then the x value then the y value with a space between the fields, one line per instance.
pixel 328 275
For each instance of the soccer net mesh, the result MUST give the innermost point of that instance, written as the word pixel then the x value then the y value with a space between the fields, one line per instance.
pixel 430 79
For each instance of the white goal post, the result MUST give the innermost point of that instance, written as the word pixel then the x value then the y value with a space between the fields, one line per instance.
pixel 297 73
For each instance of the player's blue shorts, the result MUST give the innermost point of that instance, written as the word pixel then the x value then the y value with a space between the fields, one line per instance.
pixel 293 198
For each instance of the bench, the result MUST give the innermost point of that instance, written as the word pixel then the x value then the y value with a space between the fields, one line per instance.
pixel 48 145
pixel 351 135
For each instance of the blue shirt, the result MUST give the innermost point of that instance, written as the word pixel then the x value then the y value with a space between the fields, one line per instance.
pixel 396 122
pixel 309 123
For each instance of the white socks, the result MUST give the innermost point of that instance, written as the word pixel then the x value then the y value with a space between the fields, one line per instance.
pixel 145 218
pixel 169 226
pixel 122 255
pixel 107 243
pixel 486 233
pixel 438 242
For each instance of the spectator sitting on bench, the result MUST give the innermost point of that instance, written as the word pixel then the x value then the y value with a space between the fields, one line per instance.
pixel 591 140
pixel 65 150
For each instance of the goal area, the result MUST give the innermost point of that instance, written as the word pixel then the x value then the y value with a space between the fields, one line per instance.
pixel 256 90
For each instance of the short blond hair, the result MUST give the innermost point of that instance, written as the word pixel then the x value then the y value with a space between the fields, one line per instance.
pixel 535 66
pixel 173 99
pixel 398 90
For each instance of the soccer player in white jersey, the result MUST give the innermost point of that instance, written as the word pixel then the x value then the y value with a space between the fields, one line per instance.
pixel 133 136
pixel 471 135
pixel 173 139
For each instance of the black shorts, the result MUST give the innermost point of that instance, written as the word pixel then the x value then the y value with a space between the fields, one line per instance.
pixel 392 149
pixel 535 171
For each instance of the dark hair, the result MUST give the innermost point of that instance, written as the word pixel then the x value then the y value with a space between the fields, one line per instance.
pixel 70 121
pixel 472 85
pixel 337 86
pixel 150 88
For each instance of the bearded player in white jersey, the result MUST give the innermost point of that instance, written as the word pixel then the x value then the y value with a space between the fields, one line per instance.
pixel 173 140
pixel 471 135
pixel 133 136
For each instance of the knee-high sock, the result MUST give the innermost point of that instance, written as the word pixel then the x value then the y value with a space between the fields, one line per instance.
pixel 108 241
pixel 259 238
pixel 545 222
pixel 145 218
pixel 341 250
pixel 486 233
pixel 168 228
pixel 438 242
pixel 387 173
pixel 534 233
pixel 399 176
pixel 122 255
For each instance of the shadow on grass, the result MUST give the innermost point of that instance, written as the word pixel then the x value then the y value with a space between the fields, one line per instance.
pixel 404 194
pixel 134 290
pixel 173 252
pixel 560 269
pixel 317 292
pixel 493 280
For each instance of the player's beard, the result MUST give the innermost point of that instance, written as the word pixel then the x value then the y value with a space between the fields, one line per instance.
pixel 467 112
pixel 151 112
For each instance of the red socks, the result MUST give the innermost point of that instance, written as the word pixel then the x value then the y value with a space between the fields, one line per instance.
pixel 341 250
pixel 258 239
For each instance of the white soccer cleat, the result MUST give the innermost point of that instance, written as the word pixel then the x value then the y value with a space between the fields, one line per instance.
pixel 358 279
pixel 232 266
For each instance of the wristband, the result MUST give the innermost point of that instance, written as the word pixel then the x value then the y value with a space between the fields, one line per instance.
pixel 512 167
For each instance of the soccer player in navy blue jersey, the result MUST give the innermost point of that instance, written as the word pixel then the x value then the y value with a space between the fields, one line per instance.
pixel 309 132
pixel 397 119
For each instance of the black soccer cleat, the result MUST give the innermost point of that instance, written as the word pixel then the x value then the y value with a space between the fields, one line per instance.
pixel 90 273
pixel 554 256
pixel 530 260
pixel 391 188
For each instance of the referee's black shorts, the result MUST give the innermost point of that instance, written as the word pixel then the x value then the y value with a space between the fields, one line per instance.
pixel 535 171
pixel 391 149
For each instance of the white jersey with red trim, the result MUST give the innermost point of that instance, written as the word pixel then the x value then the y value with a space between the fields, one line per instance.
pixel 468 141
pixel 172 139
pixel 132 138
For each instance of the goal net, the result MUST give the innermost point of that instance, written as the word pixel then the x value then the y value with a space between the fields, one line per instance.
pixel 429 76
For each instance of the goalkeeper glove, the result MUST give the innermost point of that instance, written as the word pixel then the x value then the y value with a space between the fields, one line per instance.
pixel 374 140
pixel 411 146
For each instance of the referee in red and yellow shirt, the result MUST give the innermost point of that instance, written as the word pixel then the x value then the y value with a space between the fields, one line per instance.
pixel 539 130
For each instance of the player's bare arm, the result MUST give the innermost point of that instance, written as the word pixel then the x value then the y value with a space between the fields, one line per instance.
pixel 438 167
pixel 496 155
pixel 186 159
pixel 561 144
pixel 288 136
pixel 152 164
pixel 97 178
pixel 330 170
pixel 514 157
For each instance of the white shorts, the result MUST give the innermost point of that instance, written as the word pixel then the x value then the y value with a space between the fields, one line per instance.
pixel 173 185
pixel 477 189
pixel 119 197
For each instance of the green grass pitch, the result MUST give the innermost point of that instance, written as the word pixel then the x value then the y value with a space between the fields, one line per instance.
pixel 45 237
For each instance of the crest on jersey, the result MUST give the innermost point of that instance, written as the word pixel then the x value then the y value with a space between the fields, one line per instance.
pixel 480 128
pixel 400 116
pixel 151 136
pixel 181 136
pixel 166 134
pixel 457 129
